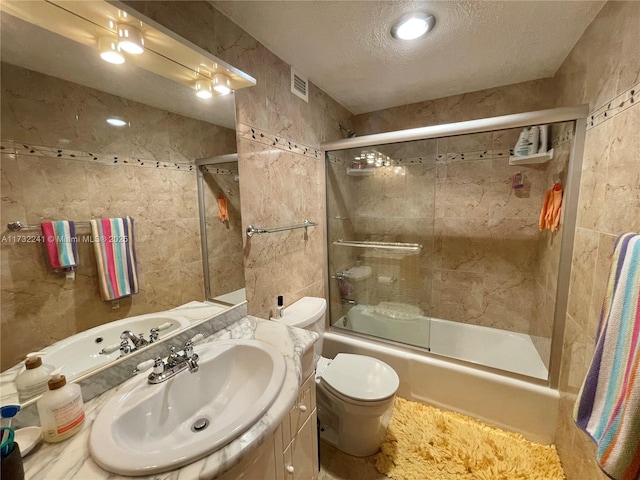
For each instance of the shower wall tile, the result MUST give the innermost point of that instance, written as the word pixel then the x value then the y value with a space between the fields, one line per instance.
pixel 600 66
pixel 516 98
pixel 39 306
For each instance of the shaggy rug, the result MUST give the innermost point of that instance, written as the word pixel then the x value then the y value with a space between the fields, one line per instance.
pixel 424 443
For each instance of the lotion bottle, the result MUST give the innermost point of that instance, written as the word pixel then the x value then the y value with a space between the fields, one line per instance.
pixel 61 409
pixel 33 380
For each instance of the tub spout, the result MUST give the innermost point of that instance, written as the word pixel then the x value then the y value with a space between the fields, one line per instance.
pixel 348 301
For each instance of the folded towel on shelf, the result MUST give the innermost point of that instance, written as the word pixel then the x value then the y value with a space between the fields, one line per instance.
pixel 223 213
pixel 114 247
pixel 61 243
pixel 608 403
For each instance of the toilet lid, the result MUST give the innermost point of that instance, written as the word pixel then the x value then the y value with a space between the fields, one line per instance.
pixel 361 378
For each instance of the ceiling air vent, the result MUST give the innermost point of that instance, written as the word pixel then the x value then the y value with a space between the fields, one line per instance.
pixel 299 85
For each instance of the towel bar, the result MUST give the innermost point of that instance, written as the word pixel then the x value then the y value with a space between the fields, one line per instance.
pixel 17 226
pixel 411 247
pixel 251 230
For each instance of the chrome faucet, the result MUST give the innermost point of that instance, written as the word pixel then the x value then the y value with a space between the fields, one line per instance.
pixel 138 341
pixel 348 301
pixel 176 362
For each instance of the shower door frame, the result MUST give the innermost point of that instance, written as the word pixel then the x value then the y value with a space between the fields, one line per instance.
pixel 578 115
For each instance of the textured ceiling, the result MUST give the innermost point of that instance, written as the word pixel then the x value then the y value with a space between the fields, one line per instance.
pixel 345 47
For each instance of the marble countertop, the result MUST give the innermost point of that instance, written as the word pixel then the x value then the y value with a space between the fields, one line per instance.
pixel 70 459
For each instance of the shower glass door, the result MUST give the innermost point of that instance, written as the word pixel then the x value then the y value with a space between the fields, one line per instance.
pixel 437 244
pixel 381 239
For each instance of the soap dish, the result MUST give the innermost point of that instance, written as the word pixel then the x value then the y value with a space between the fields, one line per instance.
pixel 28 438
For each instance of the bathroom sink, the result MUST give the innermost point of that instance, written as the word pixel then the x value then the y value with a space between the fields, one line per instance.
pixel 155 428
pixel 80 353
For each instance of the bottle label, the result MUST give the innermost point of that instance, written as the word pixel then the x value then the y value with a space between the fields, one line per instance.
pixel 69 416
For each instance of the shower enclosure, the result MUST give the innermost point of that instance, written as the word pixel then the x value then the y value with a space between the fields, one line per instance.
pixel 434 243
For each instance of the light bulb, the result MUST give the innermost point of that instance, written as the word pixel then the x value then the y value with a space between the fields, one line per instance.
pixel 413 26
pixel 221 84
pixel 109 50
pixel 130 39
pixel 203 89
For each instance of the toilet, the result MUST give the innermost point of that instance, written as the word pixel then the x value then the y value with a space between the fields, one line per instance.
pixel 353 391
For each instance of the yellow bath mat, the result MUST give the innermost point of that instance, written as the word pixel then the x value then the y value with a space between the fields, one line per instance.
pixel 424 443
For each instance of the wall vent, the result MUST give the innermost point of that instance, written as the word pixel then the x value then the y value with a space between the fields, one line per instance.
pixel 299 85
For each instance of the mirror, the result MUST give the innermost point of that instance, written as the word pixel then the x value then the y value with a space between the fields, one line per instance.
pixel 62 160
pixel 221 226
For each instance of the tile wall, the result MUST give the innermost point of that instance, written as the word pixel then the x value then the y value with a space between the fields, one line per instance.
pixel 602 70
pixel 282 172
pixel 40 307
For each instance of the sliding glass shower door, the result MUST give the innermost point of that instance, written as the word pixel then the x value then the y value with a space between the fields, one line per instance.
pixel 437 244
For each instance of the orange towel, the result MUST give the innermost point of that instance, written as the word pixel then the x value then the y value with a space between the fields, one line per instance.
pixel 553 216
pixel 223 213
pixel 551 209
pixel 546 206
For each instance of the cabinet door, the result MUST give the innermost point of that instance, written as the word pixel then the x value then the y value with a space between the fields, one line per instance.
pixel 265 464
pixel 301 458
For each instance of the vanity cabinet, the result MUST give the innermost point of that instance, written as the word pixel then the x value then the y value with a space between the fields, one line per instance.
pixel 291 453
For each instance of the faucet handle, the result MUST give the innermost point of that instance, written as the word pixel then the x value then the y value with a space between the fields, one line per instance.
pixel 154 334
pixel 158 366
pixel 173 357
pixel 125 348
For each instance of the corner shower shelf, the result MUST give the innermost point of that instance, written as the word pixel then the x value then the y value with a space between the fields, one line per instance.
pixel 535 159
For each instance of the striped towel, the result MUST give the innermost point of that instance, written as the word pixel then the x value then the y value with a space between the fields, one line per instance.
pixel 62 244
pixel 608 405
pixel 114 247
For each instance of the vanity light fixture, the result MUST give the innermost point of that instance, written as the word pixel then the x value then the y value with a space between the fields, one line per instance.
pixel 412 26
pixel 130 39
pixel 109 50
pixel 221 84
pixel 203 89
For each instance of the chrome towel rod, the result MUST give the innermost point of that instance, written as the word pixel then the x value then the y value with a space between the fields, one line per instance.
pixel 407 247
pixel 17 226
pixel 251 230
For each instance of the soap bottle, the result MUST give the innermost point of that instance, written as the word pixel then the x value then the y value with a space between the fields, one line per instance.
pixel 33 380
pixel 61 409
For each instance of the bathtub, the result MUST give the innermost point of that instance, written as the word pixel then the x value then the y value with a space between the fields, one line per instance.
pixel 507 402
pixel 492 347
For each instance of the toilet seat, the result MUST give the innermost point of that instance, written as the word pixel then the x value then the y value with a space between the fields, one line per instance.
pixel 359 380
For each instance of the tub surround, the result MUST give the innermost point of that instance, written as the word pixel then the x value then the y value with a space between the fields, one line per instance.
pixel 71 459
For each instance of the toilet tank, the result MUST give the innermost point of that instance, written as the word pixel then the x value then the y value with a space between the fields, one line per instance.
pixel 307 313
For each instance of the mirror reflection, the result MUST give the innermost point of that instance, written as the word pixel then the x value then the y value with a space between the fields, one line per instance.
pixel 219 189
pixel 83 139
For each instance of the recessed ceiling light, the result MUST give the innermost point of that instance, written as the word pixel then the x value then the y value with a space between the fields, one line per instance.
pixel 412 26
pixel 130 39
pixel 109 50
pixel 116 122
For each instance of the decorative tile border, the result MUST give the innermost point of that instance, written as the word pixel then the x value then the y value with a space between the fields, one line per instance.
pixel 218 171
pixel 250 133
pixel 619 104
pixel 9 147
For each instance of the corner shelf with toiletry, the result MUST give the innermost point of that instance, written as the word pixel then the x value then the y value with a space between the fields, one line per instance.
pixel 532 146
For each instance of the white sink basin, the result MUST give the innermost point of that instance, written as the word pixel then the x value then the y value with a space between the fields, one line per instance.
pixel 150 428
pixel 80 353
